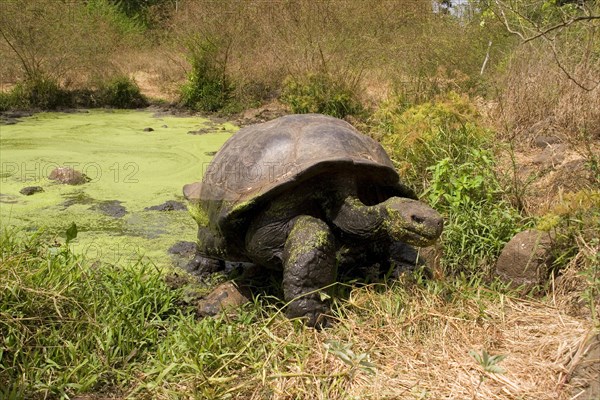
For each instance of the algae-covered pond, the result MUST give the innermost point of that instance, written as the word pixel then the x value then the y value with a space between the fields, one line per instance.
pixel 129 170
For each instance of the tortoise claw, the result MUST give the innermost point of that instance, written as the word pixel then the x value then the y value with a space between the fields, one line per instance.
pixel 203 266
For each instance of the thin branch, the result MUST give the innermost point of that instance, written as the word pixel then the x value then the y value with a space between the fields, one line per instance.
pixel 487 58
pixel 504 21
pixel 543 33
pixel 567 74
pixel 558 26
pixel 19 55
pixel 535 26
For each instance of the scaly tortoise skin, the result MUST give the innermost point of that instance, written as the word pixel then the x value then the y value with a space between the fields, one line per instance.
pixel 295 193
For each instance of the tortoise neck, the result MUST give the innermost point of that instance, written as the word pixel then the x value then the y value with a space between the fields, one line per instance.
pixel 356 219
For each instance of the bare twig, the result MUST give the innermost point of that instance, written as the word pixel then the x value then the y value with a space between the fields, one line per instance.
pixel 544 33
pixel 567 74
pixel 19 55
pixel 487 58
pixel 563 24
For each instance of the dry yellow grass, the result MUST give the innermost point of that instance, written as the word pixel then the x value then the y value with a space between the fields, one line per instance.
pixel 419 342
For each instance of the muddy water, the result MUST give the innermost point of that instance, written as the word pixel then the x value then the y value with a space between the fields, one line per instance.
pixel 129 170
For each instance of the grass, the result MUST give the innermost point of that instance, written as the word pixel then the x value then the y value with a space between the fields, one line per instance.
pixel 70 328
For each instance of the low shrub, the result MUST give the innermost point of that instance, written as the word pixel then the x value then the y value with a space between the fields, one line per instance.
pixel 574 219
pixel 41 93
pixel 420 136
pixel 573 223
pixel 479 220
pixel 443 152
pixel 320 93
pixel 126 17
pixel 121 92
pixel 7 101
pixel 208 87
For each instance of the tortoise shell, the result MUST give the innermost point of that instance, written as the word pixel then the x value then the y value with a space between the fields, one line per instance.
pixel 265 160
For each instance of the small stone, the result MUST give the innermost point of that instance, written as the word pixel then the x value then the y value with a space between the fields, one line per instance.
pixel 112 208
pixel 525 259
pixel 545 141
pixel 210 153
pixel 164 126
pixel 169 205
pixel 183 248
pixel 552 156
pixel 148 129
pixel 29 190
pixel 201 131
pixel 68 176
pixel 224 297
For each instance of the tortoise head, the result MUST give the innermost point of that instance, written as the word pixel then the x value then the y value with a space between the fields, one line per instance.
pixel 411 221
pixel 191 191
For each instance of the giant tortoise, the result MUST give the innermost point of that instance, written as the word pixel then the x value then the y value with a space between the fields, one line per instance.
pixel 295 193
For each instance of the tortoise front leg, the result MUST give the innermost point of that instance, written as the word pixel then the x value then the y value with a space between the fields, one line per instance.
pixel 308 265
pixel 209 254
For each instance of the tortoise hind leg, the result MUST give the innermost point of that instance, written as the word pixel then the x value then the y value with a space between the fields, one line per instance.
pixel 308 265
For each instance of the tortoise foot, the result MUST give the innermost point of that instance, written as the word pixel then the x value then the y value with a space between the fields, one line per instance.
pixel 202 266
pixel 312 311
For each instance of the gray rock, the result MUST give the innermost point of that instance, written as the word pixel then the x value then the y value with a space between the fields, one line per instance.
pixel 17 114
pixel 112 208
pixel 169 205
pixel 148 129
pixel 224 297
pixel 182 252
pixel 68 176
pixel 585 376
pixel 525 259
pixel 183 249
pixel 552 156
pixel 29 190
pixel 573 176
pixel 201 131
pixel 545 141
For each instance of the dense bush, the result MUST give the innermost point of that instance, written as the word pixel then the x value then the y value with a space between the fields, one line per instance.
pixel 208 87
pixel 320 93
pixel 119 14
pixel 7 101
pixel 443 152
pixel 479 220
pixel 573 224
pixel 46 94
pixel 419 137
pixel 41 93
pixel 574 220
pixel 121 92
